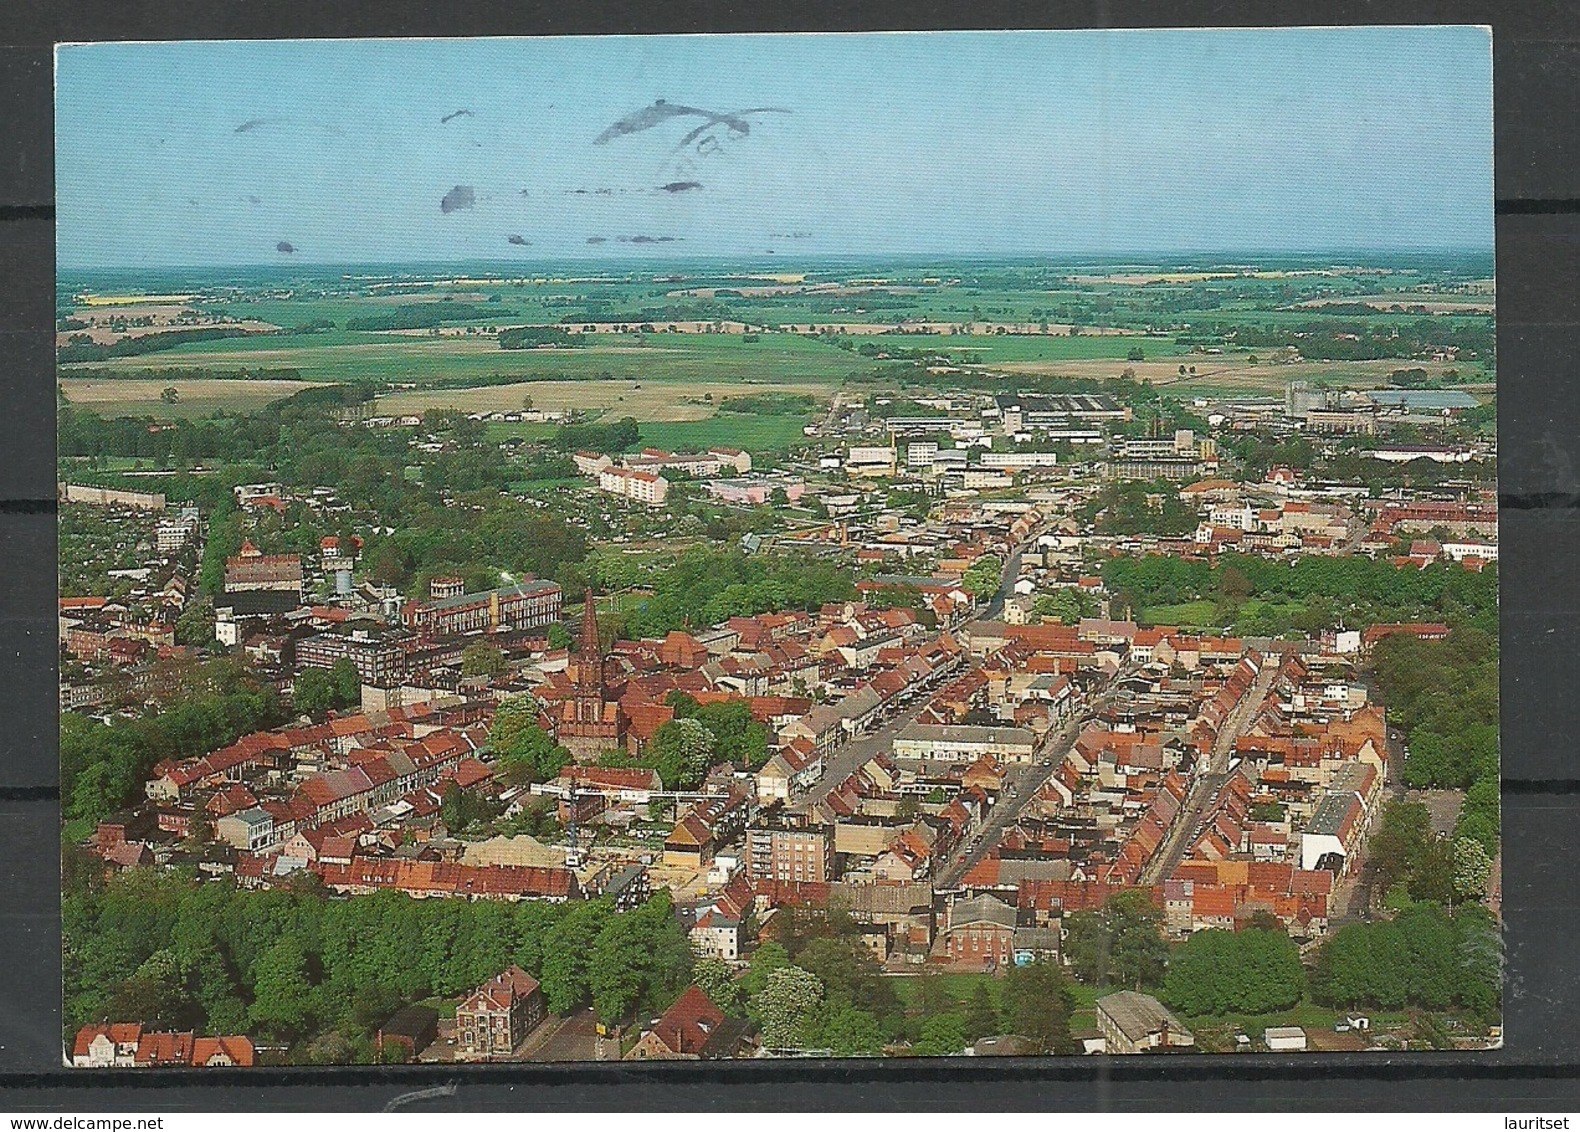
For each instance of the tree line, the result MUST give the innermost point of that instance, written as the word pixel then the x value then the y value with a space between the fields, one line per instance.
pixel 1433 954
pixel 103 767
pixel 82 347
pixel 1361 590
pixel 1444 696
pixel 425 316
pixel 294 966
pixel 529 337
pixel 705 586
pixel 815 986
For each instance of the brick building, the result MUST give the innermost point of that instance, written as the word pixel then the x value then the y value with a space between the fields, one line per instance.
pixel 497 1016
pixel 526 605
pixel 784 854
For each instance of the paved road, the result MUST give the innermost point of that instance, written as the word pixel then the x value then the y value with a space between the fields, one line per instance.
pixel 1027 780
pixel 574 1039
pixel 856 752
pixel 995 608
pixel 1361 884
pixel 838 766
pixel 1205 788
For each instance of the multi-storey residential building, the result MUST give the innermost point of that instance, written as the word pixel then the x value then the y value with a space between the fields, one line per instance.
pixel 635 484
pixel 172 534
pixel 964 742
pixel 377 657
pixel 776 853
pixel 526 605
pixel 110 497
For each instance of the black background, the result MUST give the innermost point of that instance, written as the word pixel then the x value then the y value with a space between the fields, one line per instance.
pixel 1537 92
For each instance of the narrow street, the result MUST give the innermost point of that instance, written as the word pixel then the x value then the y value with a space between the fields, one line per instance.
pixel 995 608
pixel 1356 894
pixel 854 753
pixel 1206 785
pixel 1026 781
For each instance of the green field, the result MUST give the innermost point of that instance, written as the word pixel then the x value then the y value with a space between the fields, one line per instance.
pixel 1248 314
pixel 539 487
pixel 1193 299
pixel 1186 615
pixel 753 433
pixel 1030 347
pixel 202 397
pixel 739 430
pixel 341 356
pixel 958 987
pixel 1203 614
pixel 109 463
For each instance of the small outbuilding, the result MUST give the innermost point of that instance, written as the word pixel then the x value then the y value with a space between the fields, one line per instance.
pixel 1283 1039
pixel 413 1027
pixel 1132 1022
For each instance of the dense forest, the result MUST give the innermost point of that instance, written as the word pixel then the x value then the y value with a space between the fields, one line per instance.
pixel 705 586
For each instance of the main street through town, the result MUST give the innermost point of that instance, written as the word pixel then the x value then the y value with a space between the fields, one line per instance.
pixel 1204 789
pixel 1025 781
pixel 839 765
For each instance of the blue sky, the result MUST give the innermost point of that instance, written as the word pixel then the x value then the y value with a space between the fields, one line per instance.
pixel 1016 143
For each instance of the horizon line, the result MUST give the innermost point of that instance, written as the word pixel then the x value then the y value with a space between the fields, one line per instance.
pixel 1137 256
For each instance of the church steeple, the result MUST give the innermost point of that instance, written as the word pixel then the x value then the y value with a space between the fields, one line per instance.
pixel 591 723
pixel 589 664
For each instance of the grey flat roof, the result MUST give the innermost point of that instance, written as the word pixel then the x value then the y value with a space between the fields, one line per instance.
pixel 1348 778
pixel 1329 818
pixel 524 589
pixel 1422 398
pixel 1138 1015
pixel 966 733
pixel 982 909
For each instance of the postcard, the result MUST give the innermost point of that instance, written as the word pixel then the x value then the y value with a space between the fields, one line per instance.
pixel 778 546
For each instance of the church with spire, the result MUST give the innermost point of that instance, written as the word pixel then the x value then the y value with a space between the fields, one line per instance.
pixel 589 722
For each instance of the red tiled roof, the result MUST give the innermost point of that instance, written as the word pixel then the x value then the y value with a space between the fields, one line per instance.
pixel 1213 901
pixel 237 1047
pixel 613 778
pixel 502 991
pixel 685 1026
pixel 163 1047
pixel 450 878
pixel 121 1033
